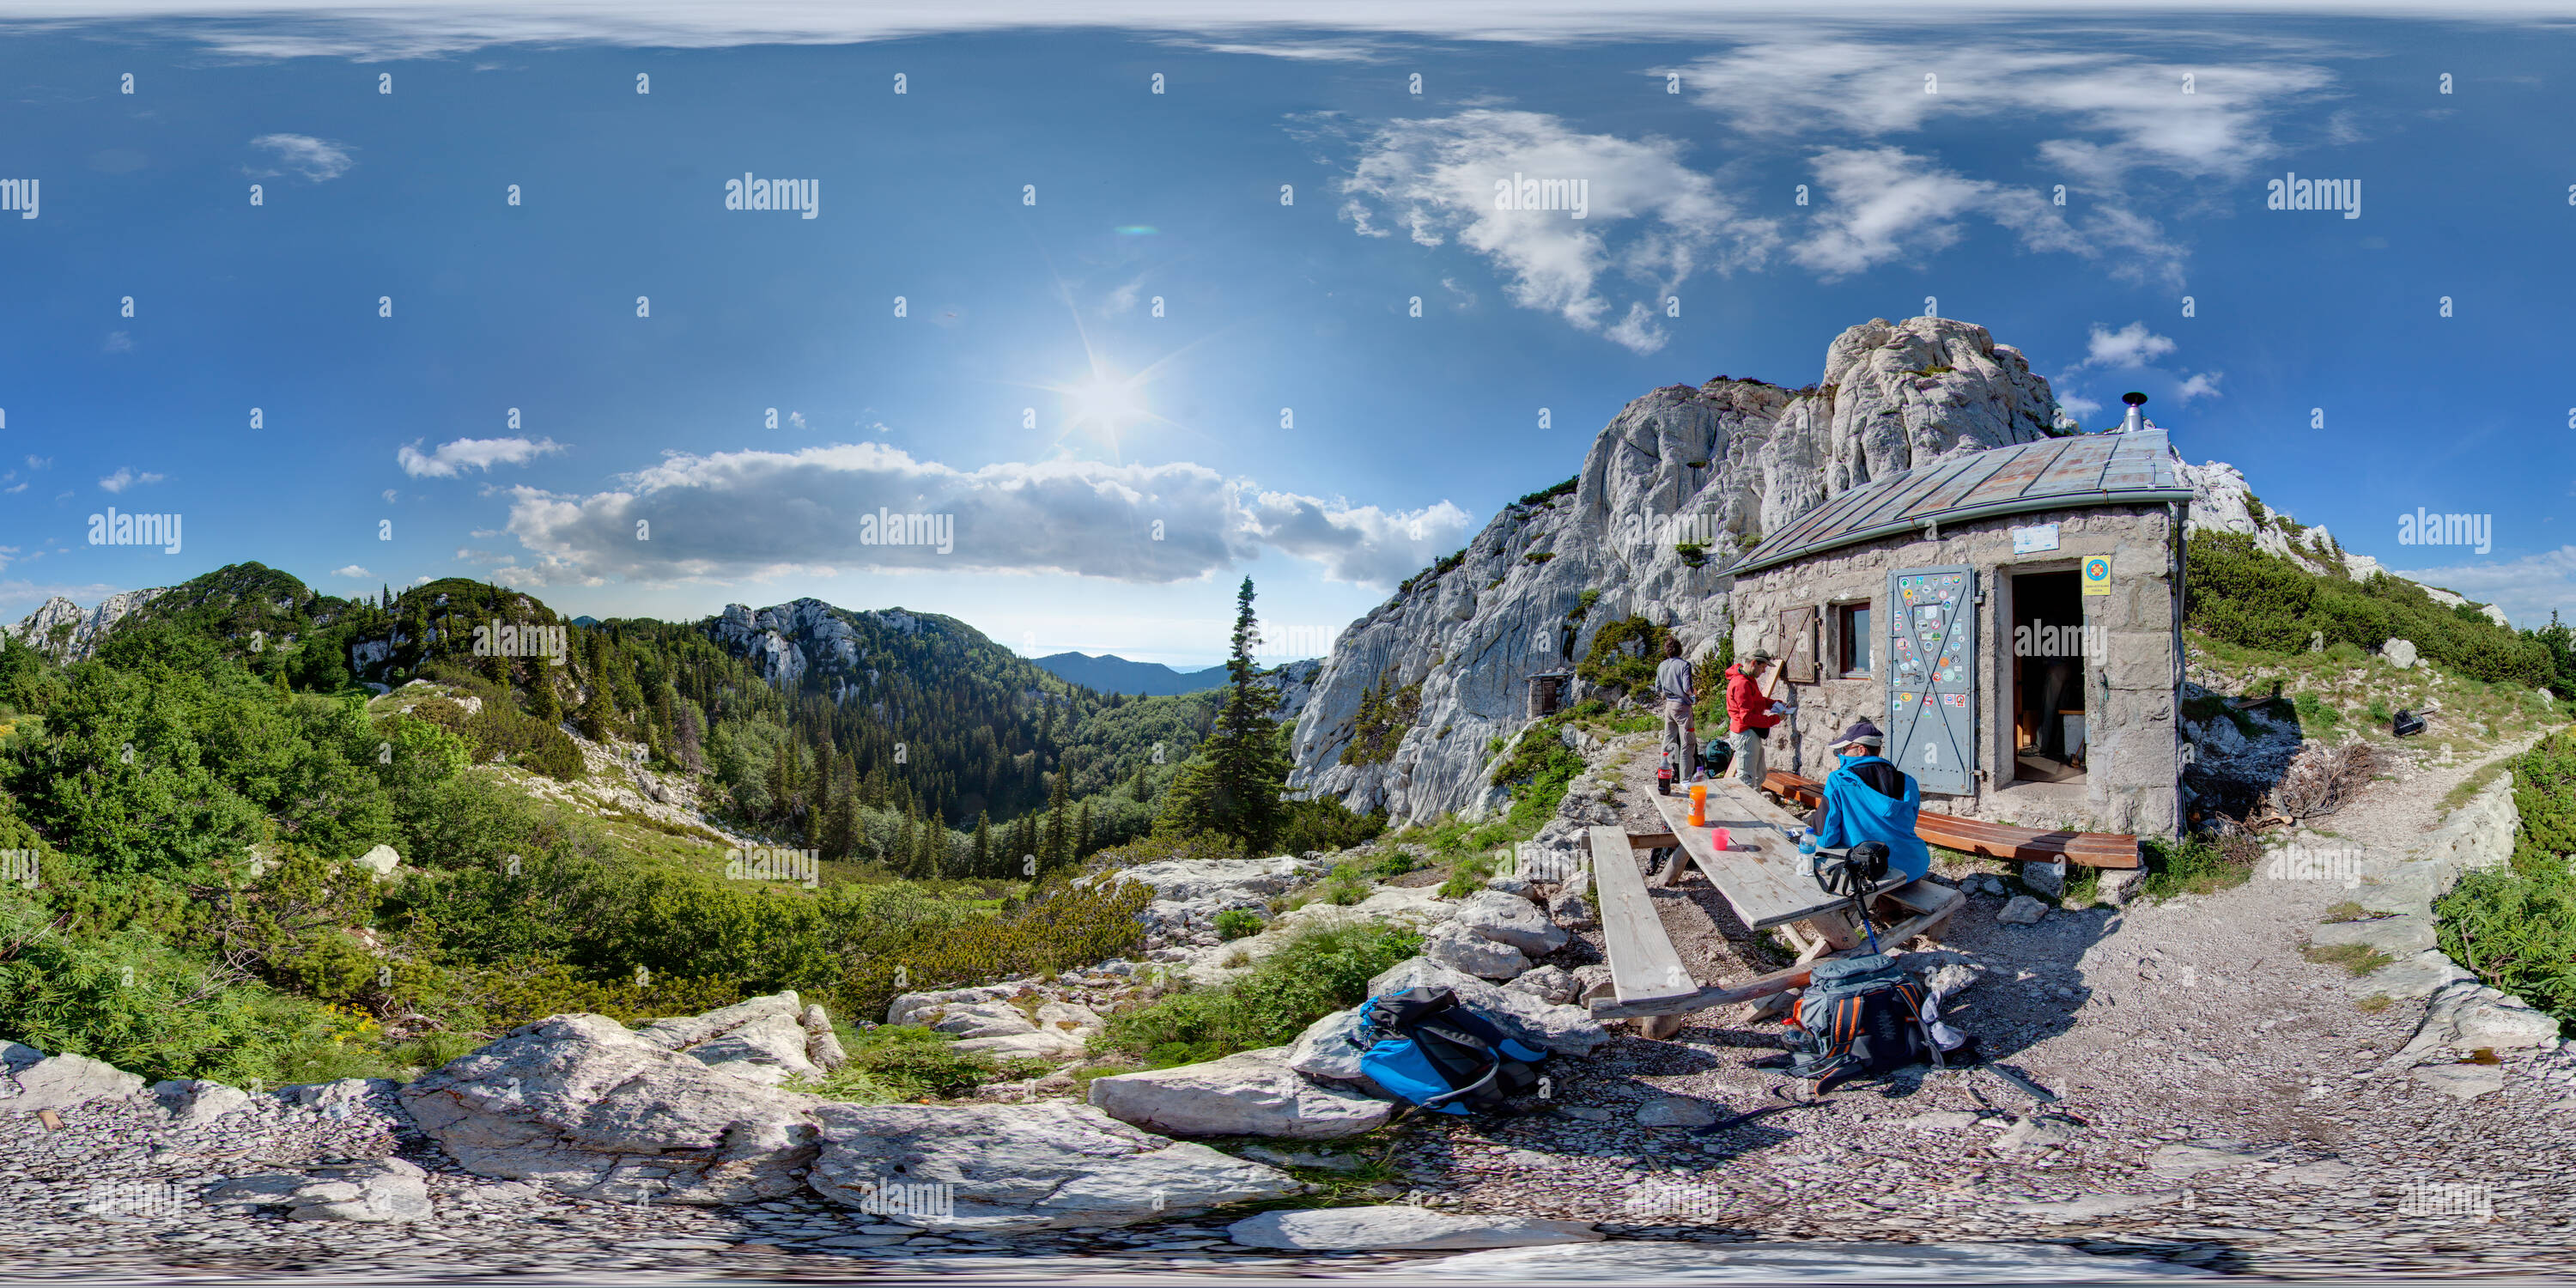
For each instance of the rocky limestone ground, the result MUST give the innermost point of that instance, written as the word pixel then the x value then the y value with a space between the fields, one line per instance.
pixel 2225 1105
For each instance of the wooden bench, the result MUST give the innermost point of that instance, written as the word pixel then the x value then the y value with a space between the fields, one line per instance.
pixel 1977 836
pixel 1760 880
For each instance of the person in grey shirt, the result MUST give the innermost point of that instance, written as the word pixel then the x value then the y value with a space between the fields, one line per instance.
pixel 1674 692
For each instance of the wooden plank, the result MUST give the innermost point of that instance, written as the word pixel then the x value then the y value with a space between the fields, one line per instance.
pixel 1761 986
pixel 1652 840
pixel 1643 963
pixel 1995 840
pixel 1760 881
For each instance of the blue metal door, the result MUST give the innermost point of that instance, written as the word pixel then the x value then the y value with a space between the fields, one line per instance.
pixel 1932 676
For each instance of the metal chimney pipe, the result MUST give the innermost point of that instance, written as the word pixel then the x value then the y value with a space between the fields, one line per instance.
pixel 2136 420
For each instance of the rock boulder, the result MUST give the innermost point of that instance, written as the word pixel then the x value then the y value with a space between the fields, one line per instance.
pixel 582 1105
pixel 1046 1165
pixel 1250 1093
pixel 31 1080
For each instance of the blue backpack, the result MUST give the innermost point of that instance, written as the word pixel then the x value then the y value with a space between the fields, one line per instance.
pixel 1426 1049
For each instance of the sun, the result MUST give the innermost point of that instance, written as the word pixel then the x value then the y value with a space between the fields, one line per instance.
pixel 1104 404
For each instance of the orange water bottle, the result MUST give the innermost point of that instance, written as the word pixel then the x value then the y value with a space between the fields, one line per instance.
pixel 1699 805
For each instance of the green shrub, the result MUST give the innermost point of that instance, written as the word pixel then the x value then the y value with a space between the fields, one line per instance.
pixel 1545 495
pixel 894 1063
pixel 2515 925
pixel 1623 656
pixel 1318 973
pixel 1386 713
pixel 2243 596
pixel 2192 865
pixel 1324 824
pixel 1346 886
pixel 1236 923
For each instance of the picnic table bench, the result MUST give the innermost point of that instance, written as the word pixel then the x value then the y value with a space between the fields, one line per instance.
pixel 1977 836
pixel 1758 876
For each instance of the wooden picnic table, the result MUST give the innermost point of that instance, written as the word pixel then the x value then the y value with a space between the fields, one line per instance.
pixel 1760 879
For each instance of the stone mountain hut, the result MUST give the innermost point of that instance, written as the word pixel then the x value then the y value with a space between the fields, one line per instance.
pixel 2011 618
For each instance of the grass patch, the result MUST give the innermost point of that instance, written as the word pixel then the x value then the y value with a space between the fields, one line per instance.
pixel 2375 1003
pixel 2193 865
pixel 2348 911
pixel 2357 960
pixel 2469 787
pixel 2083 887
pixel 2315 714
pixel 904 1063
pixel 1318 973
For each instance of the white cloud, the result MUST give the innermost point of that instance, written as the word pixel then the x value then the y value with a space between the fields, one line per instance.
pixel 1886 205
pixel 125 478
pixel 423 579
pixel 389 496
pixel 2528 589
pixel 1647 218
pixel 2123 113
pixel 352 570
pixel 118 342
pixel 2130 346
pixel 454 458
pixel 796 420
pixel 303 154
pixel 8 554
pixel 2133 351
pixel 39 462
pixel 755 514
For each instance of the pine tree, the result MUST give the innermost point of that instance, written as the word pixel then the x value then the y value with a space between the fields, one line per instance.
pixel 1140 789
pixel 1057 850
pixel 907 844
pixel 1231 787
pixel 982 860
pixel 1082 833
pixel 541 696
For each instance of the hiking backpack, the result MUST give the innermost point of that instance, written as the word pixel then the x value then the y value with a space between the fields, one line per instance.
pixel 1426 1048
pixel 1859 1017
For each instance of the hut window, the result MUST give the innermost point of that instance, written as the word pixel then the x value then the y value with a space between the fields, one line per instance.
pixel 1851 638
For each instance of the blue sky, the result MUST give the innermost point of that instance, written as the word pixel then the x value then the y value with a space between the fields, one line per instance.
pixel 1032 393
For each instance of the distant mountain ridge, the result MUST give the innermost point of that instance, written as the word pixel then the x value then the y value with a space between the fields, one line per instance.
pixel 1110 673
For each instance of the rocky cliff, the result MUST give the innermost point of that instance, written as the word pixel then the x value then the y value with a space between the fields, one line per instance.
pixel 66 632
pixel 1678 483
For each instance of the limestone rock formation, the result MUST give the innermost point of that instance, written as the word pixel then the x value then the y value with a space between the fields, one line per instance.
pixel 31 1080
pixel 1249 1093
pixel 764 1039
pixel 582 1105
pixel 1047 1165
pixel 87 628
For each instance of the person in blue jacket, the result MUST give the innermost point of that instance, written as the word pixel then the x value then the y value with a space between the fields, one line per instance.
pixel 1870 799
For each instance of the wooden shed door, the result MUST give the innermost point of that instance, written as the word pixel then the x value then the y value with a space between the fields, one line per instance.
pixel 1932 676
pixel 1798 646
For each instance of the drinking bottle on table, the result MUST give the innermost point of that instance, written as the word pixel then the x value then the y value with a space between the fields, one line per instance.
pixel 1699 805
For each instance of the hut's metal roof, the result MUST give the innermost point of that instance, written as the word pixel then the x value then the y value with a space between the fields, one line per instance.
pixel 2049 474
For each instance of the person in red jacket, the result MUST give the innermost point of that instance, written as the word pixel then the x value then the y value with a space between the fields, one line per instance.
pixel 1750 713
